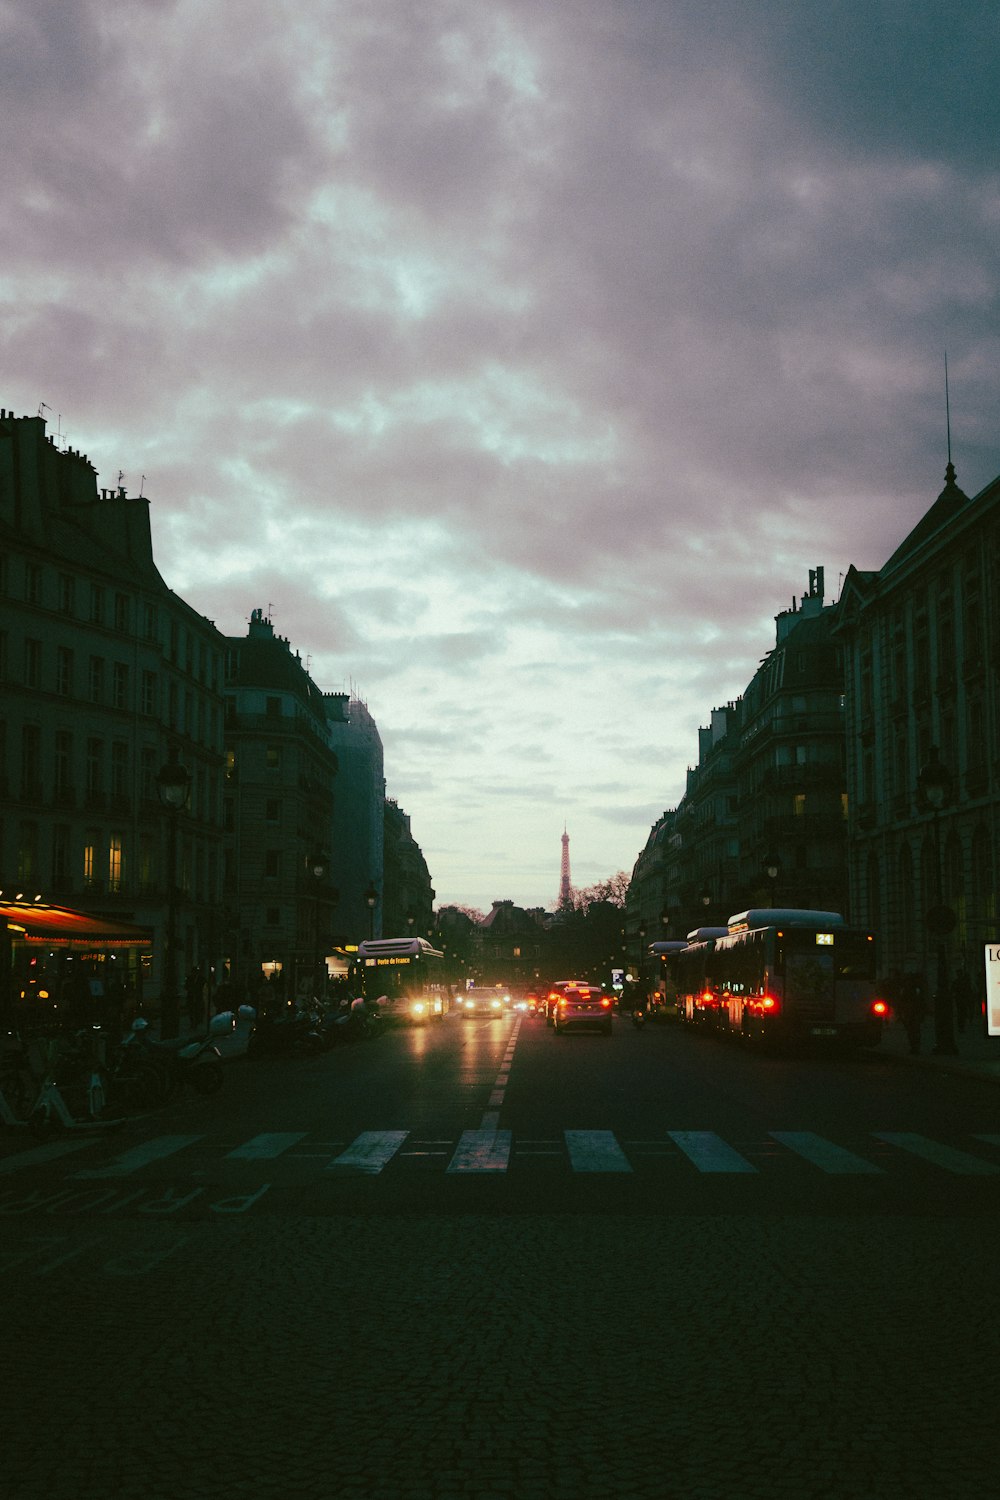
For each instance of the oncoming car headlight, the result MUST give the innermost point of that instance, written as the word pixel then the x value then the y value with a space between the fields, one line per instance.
pixel 418 1008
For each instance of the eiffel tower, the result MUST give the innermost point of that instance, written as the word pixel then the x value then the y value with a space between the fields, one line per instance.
pixel 565 889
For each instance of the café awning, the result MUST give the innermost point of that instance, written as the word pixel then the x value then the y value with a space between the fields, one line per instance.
pixel 43 926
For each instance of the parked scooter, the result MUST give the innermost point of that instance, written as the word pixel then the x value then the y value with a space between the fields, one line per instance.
pixel 639 1016
pixel 184 1060
pixel 285 1032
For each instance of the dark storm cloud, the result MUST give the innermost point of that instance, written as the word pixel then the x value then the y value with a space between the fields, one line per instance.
pixel 521 358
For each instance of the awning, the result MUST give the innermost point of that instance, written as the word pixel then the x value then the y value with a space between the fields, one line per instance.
pixel 43 926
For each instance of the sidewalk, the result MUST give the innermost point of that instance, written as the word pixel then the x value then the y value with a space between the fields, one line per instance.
pixel 978 1054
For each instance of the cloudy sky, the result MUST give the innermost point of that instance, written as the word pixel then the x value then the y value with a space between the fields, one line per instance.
pixel 520 357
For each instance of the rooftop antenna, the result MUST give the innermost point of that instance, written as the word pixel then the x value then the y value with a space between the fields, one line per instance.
pixel 142 486
pixel 947 406
pixel 43 406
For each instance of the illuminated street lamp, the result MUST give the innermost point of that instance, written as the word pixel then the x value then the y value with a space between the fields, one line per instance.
pixel 934 789
pixel 173 787
pixel 371 901
pixel 771 866
pixel 318 865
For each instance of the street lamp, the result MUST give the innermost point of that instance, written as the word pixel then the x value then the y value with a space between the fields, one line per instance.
pixel 173 787
pixel 318 865
pixel 371 901
pixel 934 787
pixel 771 866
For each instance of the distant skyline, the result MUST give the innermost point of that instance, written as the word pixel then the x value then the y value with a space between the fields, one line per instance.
pixel 519 360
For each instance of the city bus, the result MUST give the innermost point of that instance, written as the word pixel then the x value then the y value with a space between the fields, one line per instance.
pixel 783 974
pixel 405 976
pixel 695 1002
pixel 661 969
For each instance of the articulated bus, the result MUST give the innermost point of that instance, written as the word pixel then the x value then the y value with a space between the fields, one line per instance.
pixel 405 976
pixel 780 974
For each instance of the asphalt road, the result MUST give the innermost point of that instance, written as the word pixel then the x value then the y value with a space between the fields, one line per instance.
pixel 481 1260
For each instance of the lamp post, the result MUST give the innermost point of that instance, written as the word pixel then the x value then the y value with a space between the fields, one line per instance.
pixel 771 866
pixel 934 786
pixel 173 787
pixel 318 865
pixel 371 901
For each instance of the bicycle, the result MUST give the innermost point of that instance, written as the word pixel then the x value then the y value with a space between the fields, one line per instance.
pixel 72 1094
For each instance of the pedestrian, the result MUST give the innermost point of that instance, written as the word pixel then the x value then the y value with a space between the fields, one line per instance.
pixel 195 989
pixel 913 1008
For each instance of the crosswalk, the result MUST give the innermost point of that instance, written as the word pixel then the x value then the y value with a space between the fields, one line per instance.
pixel 492 1151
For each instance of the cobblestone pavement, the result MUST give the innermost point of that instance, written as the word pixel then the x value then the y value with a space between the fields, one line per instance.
pixel 520 1357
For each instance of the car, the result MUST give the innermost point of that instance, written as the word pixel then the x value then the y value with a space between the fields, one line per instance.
pixel 482 1001
pixel 579 1006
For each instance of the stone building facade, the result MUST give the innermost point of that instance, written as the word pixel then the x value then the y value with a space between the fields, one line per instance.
pixel 107 676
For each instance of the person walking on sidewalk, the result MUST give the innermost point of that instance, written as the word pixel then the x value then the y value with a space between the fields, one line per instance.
pixel 912 1008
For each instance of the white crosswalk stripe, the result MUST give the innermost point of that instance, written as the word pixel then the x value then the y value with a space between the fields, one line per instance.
pixel 709 1152
pixel 140 1156
pixel 823 1153
pixel 595 1151
pixel 369 1152
pixel 938 1154
pixel 490 1150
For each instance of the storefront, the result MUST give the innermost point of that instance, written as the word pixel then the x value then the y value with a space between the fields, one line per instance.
pixel 69 966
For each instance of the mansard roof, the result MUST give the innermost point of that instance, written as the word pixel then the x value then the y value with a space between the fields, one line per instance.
pixel 946 507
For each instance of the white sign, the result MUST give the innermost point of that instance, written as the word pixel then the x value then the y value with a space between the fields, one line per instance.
pixel 993 988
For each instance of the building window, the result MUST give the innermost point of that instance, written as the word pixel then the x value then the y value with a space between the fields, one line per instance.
pixel 96 679
pixel 150 617
pixel 67 593
pixel 147 774
pixel 32 583
pixel 32 663
pixel 119 769
pixel 64 672
pixel 149 694
pixel 60 853
pixel 63 762
pixel 89 847
pixel 272 863
pixel 273 708
pixel 95 767
pixel 31 761
pixel 272 810
pixel 799 804
pixel 272 757
pixel 97 604
pixel 121 611
pixel 27 855
pixel 115 863
pixel 119 685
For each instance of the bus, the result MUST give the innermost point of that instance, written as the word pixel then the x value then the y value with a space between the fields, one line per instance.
pixel 405 976
pixel 695 1002
pixel 783 974
pixel 661 971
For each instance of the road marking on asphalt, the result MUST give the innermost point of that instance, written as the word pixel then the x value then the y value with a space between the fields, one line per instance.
pixel 369 1152
pixel 823 1153
pixel 595 1151
pixel 938 1155
pixel 481 1151
pixel 140 1156
pixel 39 1154
pixel 708 1152
pixel 267 1146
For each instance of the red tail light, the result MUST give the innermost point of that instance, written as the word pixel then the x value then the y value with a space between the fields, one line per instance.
pixel 605 1002
pixel 880 1008
pixel 768 1002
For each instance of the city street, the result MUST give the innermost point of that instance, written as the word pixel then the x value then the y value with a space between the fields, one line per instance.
pixel 480 1259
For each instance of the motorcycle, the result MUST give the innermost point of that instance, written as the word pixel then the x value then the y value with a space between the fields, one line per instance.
pixel 288 1032
pixel 638 1017
pixel 183 1060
